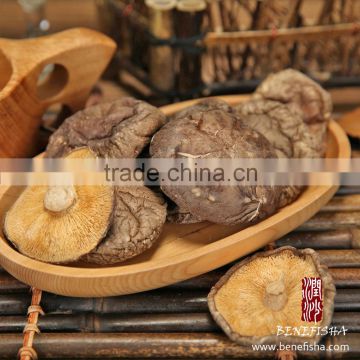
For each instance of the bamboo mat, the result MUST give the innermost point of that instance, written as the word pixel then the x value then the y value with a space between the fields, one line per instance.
pixel 174 322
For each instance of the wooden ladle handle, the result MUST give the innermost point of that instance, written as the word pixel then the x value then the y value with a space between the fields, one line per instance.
pixel 79 56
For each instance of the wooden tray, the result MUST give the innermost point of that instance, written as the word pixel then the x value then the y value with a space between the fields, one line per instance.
pixel 182 252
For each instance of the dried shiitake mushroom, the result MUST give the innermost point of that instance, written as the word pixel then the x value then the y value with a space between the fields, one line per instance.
pixel 265 291
pixel 285 130
pixel 207 131
pixel 304 97
pixel 139 216
pixel 181 215
pixel 60 223
pixel 203 106
pixel 119 129
pixel 177 215
pixel 301 93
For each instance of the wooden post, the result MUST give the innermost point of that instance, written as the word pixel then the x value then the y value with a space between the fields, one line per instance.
pixel 188 21
pixel 161 57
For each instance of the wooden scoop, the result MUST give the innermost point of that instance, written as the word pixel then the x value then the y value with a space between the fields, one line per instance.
pixel 79 57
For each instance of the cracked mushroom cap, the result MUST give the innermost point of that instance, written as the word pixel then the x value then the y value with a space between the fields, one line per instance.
pixel 139 216
pixel 303 95
pixel 59 224
pixel 211 132
pixel 265 291
pixel 177 215
pixel 203 106
pixel 284 129
pixel 119 129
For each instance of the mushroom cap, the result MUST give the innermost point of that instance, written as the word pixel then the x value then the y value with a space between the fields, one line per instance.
pixel 119 129
pixel 177 215
pixel 303 95
pixel 203 106
pixel 284 129
pixel 287 133
pixel 212 132
pixel 64 234
pixel 139 216
pixel 239 302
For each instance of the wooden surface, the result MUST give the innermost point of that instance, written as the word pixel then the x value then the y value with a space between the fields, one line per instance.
pixel 182 252
pixel 304 33
pixel 350 122
pixel 80 56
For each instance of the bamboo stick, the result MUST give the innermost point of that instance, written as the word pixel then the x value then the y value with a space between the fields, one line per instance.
pixel 343 278
pixel 346 278
pixel 331 239
pixel 343 203
pixel 10 284
pixel 143 323
pixel 161 57
pixel 166 346
pixel 291 34
pixel 331 221
pixel 156 302
pixel 215 16
pixel 340 258
pixel 348 190
pixel 187 24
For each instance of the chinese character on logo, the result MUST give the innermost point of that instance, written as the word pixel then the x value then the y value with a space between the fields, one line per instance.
pixel 312 301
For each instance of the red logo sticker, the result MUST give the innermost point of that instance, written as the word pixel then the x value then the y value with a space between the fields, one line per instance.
pixel 312 299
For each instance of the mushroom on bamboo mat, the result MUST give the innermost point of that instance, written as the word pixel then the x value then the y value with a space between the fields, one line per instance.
pixel 266 291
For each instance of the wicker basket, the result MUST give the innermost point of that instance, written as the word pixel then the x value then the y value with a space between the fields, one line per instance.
pixel 227 46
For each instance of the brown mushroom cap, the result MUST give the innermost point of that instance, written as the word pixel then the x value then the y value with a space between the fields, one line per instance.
pixel 118 129
pixel 284 129
pixel 60 223
pixel 205 131
pixel 177 215
pixel 303 95
pixel 203 106
pixel 265 291
pixel 139 216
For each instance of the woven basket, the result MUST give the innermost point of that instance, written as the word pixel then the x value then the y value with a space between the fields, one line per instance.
pixel 229 45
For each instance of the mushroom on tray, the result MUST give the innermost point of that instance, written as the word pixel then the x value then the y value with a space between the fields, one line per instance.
pixel 264 292
pixel 208 131
pixel 118 129
pixel 139 216
pixel 303 96
pixel 285 129
pixel 59 224
pixel 292 112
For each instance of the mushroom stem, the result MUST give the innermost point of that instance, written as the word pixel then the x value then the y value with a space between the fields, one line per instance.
pixel 275 295
pixel 59 198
